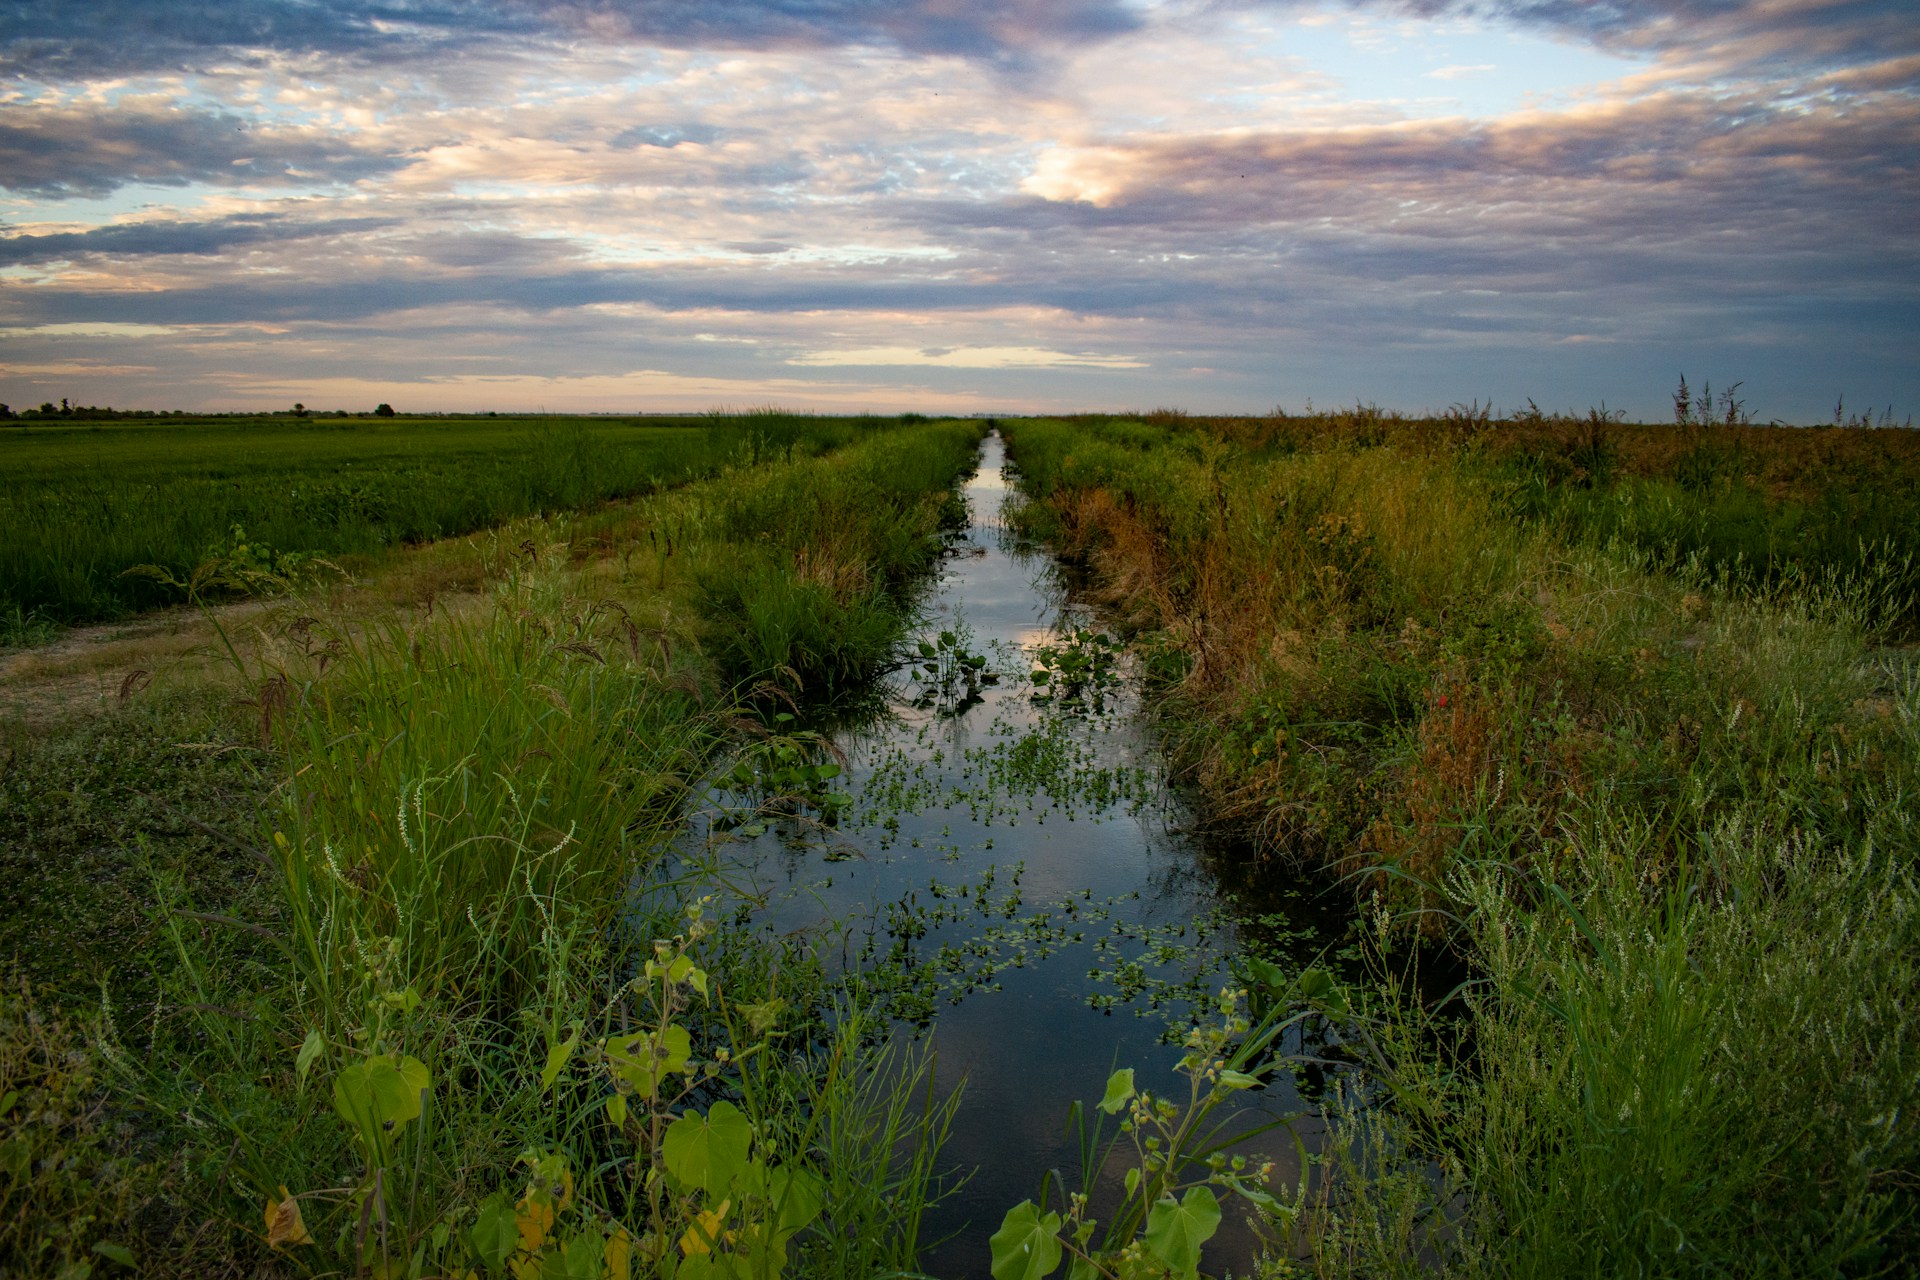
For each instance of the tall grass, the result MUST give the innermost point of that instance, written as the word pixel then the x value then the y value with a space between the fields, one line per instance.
pixel 468 817
pixel 1661 805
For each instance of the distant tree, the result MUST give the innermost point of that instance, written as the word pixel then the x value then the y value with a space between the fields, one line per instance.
pixel 299 410
pixel 46 409
pixel 383 411
pixel 6 411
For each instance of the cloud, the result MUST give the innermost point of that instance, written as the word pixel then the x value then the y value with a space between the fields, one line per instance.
pixel 565 191
pixel 1726 33
pixel 90 149
pixel 165 238
pixel 1665 167
pixel 83 329
pixel 95 38
pixel 967 358
pixel 86 39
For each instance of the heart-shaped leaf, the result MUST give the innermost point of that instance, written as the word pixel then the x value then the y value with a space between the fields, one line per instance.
pixel 1175 1231
pixel 1027 1245
pixel 709 1151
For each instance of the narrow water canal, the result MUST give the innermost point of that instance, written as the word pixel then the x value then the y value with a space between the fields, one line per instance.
pixel 1013 853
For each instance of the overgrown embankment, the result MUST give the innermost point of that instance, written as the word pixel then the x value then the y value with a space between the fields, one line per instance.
pixel 1562 714
pixel 382 994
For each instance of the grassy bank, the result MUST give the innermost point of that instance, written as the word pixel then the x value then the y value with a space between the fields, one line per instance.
pixel 81 503
pixel 1545 702
pixel 386 968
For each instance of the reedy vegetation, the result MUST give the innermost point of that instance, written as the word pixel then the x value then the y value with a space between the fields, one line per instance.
pixel 1655 787
pixel 403 1036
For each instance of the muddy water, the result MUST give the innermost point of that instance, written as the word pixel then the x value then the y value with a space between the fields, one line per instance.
pixel 1017 858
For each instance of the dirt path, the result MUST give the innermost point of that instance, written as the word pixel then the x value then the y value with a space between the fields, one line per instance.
pixel 88 669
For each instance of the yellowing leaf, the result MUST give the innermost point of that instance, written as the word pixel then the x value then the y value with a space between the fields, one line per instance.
pixel 284 1224
pixel 705 1231
pixel 617 1262
pixel 535 1220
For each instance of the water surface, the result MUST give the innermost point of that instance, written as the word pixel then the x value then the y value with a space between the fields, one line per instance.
pixel 1022 854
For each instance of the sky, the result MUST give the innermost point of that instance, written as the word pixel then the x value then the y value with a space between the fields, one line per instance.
pixel 965 206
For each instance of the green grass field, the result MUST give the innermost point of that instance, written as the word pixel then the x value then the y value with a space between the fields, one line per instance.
pixel 81 503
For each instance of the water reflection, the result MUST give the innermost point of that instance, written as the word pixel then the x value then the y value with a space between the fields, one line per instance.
pixel 974 814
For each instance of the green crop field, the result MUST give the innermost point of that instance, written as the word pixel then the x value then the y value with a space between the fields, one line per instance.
pixel 81 503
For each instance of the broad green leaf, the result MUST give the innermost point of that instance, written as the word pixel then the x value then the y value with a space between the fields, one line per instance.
pixel 379 1095
pixel 1315 984
pixel 927 650
pixel 310 1051
pixel 1133 1180
pixel 617 1109
pixel 709 1152
pixel 1027 1245
pixel 557 1058
pixel 1175 1232
pixel 114 1252
pixel 1264 972
pixel 798 1198
pixel 644 1063
pixel 1119 1091
pixel 579 1259
pixel 948 639
pixel 401 1084
pixel 496 1233
pixel 1239 1080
